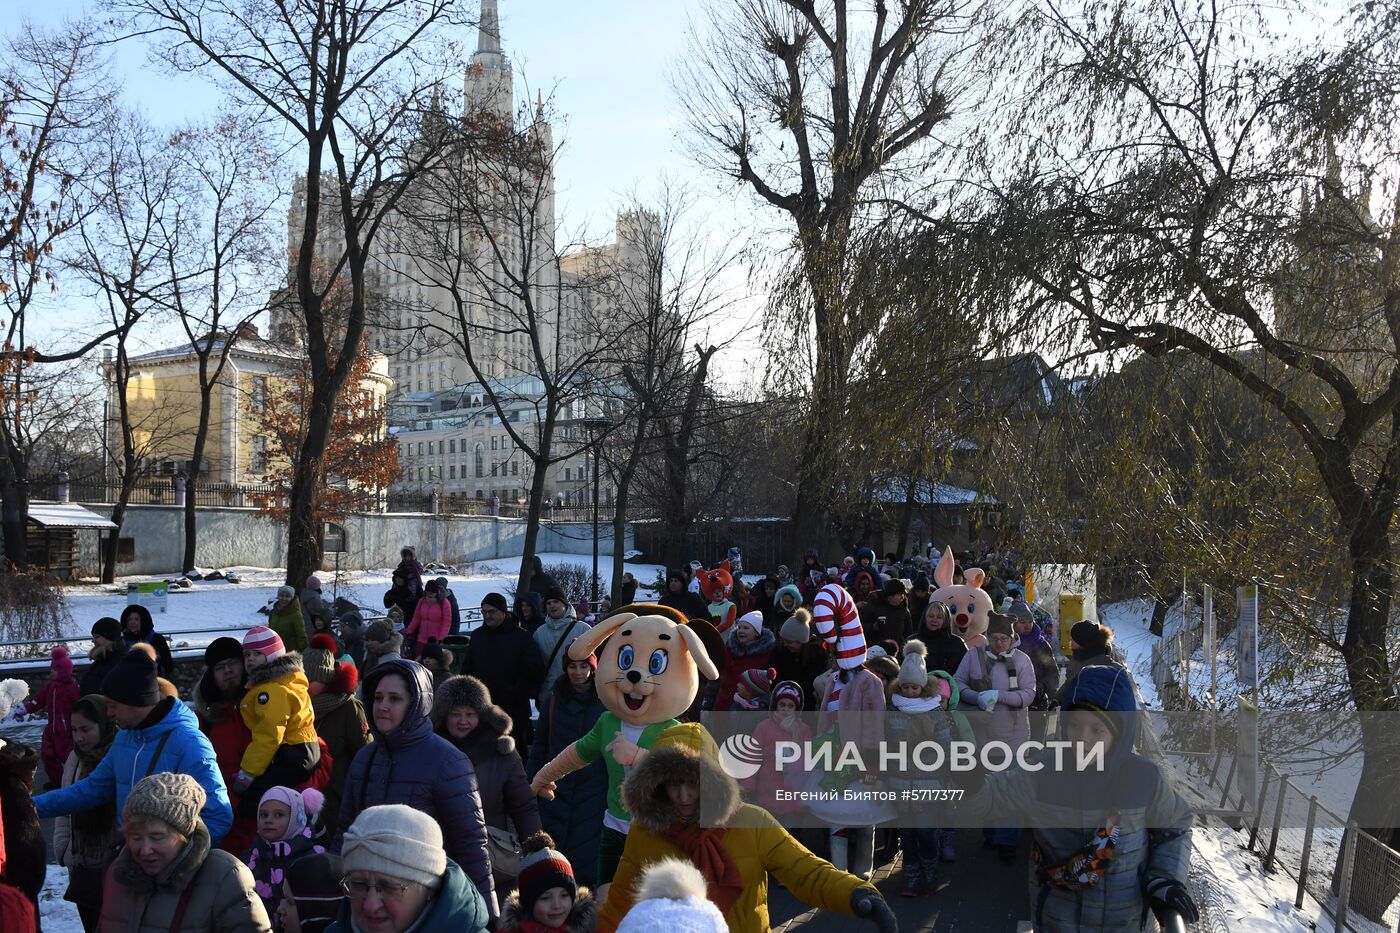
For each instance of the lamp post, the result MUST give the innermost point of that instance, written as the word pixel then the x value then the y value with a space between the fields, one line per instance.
pixel 596 428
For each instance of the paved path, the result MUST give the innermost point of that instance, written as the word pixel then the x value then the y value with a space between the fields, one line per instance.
pixel 978 894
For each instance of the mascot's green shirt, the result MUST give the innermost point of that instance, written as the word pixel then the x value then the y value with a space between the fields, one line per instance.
pixel 591 748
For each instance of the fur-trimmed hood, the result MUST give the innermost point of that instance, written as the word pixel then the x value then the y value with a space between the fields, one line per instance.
pixel 764 643
pixel 393 646
pixel 582 919
pixel 463 690
pixel 644 793
pixel 289 663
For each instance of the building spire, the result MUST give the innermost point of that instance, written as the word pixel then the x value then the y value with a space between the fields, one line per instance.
pixel 488 36
pixel 488 84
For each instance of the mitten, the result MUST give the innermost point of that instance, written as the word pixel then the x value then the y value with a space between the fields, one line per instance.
pixel 988 699
pixel 1172 894
pixel 867 904
pixel 242 782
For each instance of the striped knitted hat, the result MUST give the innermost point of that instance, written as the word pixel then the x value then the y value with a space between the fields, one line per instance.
pixel 837 621
pixel 753 687
pixel 542 868
pixel 265 641
pixel 787 690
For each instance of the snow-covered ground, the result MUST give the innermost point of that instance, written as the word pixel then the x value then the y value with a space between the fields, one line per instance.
pixel 1243 899
pixel 1129 620
pixel 56 914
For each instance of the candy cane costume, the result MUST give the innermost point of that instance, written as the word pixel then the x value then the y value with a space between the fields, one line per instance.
pixel 837 621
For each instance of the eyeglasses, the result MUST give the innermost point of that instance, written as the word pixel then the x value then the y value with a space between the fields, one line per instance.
pixel 358 890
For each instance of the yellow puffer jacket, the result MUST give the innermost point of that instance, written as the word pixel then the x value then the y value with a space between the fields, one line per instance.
pixel 755 840
pixel 277 709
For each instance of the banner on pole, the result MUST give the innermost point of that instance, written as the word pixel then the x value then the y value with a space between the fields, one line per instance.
pixel 1248 635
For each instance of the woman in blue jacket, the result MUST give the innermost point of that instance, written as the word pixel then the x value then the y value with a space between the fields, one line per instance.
pixel 408 764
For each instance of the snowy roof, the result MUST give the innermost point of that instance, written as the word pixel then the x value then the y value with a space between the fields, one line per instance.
pixel 931 493
pixel 65 515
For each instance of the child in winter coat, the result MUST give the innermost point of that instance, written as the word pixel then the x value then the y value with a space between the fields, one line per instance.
pixel 919 705
pixel 86 842
pixel 748 645
pixel 56 698
pixel 432 620
pixel 755 690
pixel 287 833
pixel 547 899
pixel 311 895
pixel 784 724
pixel 277 710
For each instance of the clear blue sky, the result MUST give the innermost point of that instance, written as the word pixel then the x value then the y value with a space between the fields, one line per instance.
pixel 607 65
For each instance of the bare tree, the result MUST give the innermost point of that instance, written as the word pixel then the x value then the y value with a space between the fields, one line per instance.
pixel 664 285
pixel 351 80
pixel 219 275
pixel 140 207
pixel 812 106
pixel 479 234
pixel 54 87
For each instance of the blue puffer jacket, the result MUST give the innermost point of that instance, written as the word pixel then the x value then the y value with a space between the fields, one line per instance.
pixel 575 814
pixel 186 750
pixel 456 907
pixel 1154 821
pixel 412 766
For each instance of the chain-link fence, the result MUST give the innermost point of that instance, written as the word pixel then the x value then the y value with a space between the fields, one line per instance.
pixel 1353 876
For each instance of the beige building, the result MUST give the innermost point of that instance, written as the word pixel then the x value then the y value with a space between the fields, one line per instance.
pixel 163 399
pixel 453 443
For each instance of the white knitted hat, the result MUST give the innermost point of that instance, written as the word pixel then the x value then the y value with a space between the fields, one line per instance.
pixel 397 841
pixel 671 897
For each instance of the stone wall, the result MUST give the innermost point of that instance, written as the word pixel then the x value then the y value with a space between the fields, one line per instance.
pixel 246 538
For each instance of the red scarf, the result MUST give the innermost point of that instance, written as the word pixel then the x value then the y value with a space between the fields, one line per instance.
pixel 705 849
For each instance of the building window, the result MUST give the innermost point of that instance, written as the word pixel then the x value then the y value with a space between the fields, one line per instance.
pixel 258 462
pixel 494 442
pixel 430 448
pixel 494 467
pixel 452 447
pixel 515 468
pixel 479 458
pixel 259 402
pixel 452 472
pixel 568 474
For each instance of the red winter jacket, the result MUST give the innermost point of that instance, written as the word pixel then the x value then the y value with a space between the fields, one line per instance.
pixel 738 659
pixel 56 698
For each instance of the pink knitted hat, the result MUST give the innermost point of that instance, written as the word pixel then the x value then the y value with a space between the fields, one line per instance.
pixel 265 641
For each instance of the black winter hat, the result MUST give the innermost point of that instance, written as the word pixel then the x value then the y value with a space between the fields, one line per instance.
pixel 496 600
pixel 132 681
pixel 222 649
pixel 921 581
pixel 555 592
pixel 108 627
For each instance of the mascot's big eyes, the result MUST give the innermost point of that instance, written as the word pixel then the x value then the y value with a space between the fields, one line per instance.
pixel 657 664
pixel 624 658
pixel 971 607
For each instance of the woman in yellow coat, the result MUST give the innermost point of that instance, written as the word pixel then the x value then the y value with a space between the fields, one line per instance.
pixel 684 805
pixel 277 709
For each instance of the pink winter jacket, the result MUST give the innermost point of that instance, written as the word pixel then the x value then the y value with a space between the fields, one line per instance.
pixel 762 789
pixel 432 619
pixel 1008 721
pixel 861 718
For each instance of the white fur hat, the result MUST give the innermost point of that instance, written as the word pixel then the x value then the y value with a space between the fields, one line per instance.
pixel 671 897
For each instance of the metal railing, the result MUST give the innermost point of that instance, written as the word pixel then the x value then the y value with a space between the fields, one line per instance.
pixel 1350 873
pixel 159 490
pixel 471 619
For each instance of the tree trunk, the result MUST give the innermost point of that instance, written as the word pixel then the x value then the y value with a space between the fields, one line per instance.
pixel 109 557
pixel 201 436
pixel 619 536
pixel 303 518
pixel 532 518
pixel 1373 692
pixel 14 509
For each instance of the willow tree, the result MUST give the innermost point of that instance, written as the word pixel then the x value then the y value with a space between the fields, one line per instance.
pixel 1189 179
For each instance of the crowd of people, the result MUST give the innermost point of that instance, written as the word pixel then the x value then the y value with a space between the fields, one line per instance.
pixel 333 774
